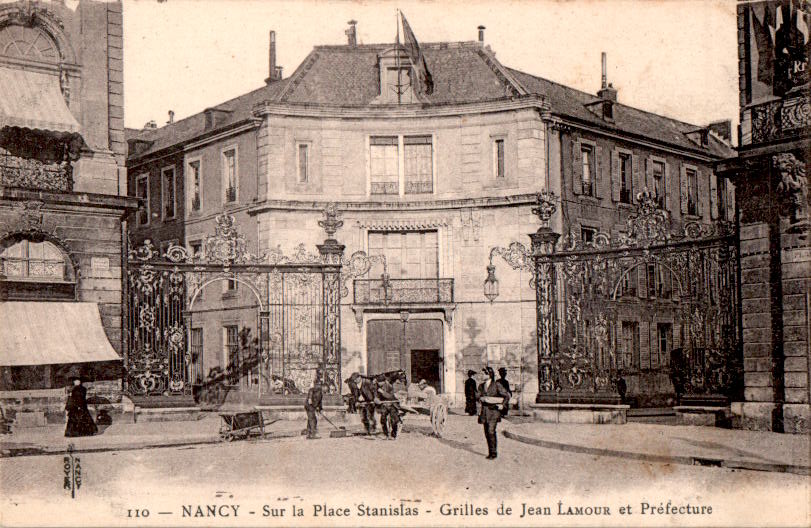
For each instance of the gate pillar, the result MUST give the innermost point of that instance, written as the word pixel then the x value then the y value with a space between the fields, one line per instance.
pixel 544 278
pixel 331 254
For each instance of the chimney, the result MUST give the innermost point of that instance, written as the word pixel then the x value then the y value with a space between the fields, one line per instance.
pixel 481 34
pixel 150 125
pixel 723 129
pixel 352 33
pixel 607 91
pixel 171 117
pixel 274 72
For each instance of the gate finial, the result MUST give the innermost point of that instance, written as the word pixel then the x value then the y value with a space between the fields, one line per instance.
pixel 331 222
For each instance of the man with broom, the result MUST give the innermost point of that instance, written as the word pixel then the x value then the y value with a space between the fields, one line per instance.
pixel 313 405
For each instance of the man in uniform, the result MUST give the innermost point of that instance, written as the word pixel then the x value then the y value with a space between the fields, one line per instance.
pixel 470 393
pixel 368 394
pixel 490 413
pixel 502 380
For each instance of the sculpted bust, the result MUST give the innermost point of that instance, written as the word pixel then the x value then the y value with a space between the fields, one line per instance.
pixel 793 186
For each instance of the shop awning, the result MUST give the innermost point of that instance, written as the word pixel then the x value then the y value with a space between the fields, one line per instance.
pixel 34 100
pixel 43 333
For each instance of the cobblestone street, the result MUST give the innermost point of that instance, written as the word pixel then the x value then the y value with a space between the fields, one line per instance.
pixel 358 471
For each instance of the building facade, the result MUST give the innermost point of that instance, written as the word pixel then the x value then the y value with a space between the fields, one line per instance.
pixel 771 175
pixel 428 180
pixel 63 195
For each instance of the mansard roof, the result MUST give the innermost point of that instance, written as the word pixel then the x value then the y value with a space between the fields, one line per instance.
pixel 463 72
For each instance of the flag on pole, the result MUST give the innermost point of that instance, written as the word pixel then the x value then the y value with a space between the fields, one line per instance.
pixel 412 47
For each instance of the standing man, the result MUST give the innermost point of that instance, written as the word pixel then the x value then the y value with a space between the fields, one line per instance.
pixel 502 380
pixel 470 393
pixel 389 409
pixel 354 392
pixel 494 399
pixel 311 406
pixel 368 393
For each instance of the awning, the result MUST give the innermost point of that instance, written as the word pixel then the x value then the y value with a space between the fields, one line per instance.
pixel 33 100
pixel 43 333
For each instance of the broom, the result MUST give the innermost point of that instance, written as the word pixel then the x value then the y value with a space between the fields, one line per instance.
pixel 339 432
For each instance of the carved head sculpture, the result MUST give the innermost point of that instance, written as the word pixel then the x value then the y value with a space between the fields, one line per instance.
pixel 793 186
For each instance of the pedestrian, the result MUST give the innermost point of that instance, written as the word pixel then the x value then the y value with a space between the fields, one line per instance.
pixel 494 398
pixel 470 393
pixel 354 392
pixel 80 423
pixel 389 409
pixel 311 406
pixel 502 380
pixel 622 387
pixel 368 394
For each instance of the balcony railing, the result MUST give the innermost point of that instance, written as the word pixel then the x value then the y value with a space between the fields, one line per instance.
pixel 26 173
pixel 779 119
pixel 403 291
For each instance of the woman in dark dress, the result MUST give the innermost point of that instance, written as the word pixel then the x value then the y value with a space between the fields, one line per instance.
pixel 470 393
pixel 80 423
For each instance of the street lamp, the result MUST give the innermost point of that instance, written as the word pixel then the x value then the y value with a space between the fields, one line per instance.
pixel 491 283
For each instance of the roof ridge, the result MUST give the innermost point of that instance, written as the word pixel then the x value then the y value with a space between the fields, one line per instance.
pixel 387 45
pixel 595 97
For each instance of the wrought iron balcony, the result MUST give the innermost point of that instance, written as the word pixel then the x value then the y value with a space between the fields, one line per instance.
pixel 27 173
pixel 403 291
pixel 780 119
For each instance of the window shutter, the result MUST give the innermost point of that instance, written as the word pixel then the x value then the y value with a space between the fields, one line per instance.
pixel 649 175
pixel 615 176
pixel 713 196
pixel 683 187
pixel 665 183
pixel 654 345
pixel 577 168
pixel 730 201
pixel 598 171
pixel 676 336
pixel 638 177
pixel 644 345
pixel 642 281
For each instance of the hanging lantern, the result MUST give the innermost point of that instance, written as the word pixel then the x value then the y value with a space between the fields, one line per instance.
pixel 491 284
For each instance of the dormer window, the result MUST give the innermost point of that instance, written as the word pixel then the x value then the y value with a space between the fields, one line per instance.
pixel 396 78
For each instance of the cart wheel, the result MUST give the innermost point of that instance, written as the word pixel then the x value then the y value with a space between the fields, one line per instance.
pixel 439 416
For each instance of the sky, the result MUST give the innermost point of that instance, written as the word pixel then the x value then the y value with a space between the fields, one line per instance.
pixel 673 57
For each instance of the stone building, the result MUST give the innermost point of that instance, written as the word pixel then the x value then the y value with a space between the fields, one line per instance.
pixel 63 195
pixel 770 174
pixel 431 172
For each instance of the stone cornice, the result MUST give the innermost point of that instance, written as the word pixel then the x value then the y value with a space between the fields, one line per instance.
pixel 268 108
pixel 366 206
pixel 79 199
pixel 244 126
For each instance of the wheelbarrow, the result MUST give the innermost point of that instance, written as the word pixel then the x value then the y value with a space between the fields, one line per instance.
pixel 243 425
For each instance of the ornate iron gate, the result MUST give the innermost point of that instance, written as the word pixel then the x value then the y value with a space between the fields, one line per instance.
pixel 283 327
pixel 649 302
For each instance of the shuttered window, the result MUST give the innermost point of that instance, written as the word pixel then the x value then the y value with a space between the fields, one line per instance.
pixel 418 164
pixel 409 254
pixel 384 159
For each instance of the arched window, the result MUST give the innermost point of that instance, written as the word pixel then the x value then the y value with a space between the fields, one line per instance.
pixel 31 260
pixel 28 43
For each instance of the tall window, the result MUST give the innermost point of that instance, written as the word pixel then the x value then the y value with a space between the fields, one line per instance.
pixel 409 254
pixel 498 158
pixel 626 179
pixel 659 189
pixel 588 169
pixel 168 193
pixel 142 192
pixel 630 344
pixel 722 199
pixel 303 157
pixel 231 347
pixel 229 167
pixel 35 261
pixel 194 184
pixel 664 337
pixel 384 170
pixel 197 353
pixel 629 283
pixel 418 164
pixel 692 192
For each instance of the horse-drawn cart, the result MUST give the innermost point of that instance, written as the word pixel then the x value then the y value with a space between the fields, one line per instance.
pixel 432 405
